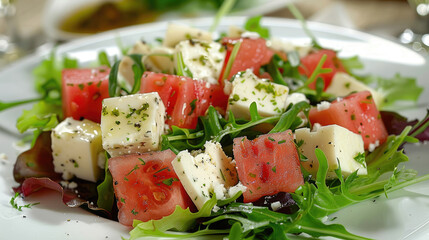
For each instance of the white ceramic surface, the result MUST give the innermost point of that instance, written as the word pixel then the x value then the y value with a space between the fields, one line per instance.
pixel 404 216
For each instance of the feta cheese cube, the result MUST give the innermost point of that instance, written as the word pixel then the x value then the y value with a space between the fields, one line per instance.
pixel 283 45
pixel 234 31
pixel 295 98
pixel 132 124
pixel 176 33
pixel 343 84
pixel 340 146
pixel 204 59
pixel 206 172
pixel 125 67
pixel 270 97
pixel 160 59
pixel 76 146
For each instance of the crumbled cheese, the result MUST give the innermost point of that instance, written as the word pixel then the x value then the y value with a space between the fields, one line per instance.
pixel 323 106
pixel 237 188
pixel 276 205
pixel 216 208
pixel 227 89
pixel 68 185
pixel 295 98
pixel 316 127
pixel 373 146
pixel 251 35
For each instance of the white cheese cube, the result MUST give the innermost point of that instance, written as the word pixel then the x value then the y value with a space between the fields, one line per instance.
pixel 132 124
pixel 176 33
pixel 204 59
pixel 125 67
pixel 270 97
pixel 340 146
pixel 295 98
pixel 76 147
pixel 204 173
pixel 235 32
pixel 343 84
pixel 283 45
pixel 160 59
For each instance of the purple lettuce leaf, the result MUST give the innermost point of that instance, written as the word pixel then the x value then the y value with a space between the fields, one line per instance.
pixel 395 123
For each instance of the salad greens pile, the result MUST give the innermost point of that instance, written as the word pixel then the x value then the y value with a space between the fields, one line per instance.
pixel 314 201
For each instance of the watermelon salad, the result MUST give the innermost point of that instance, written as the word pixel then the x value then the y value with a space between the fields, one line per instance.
pixel 244 136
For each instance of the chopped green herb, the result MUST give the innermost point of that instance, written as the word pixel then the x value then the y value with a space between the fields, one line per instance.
pixel 169 181
pixel 192 105
pixel 16 206
pixel 360 158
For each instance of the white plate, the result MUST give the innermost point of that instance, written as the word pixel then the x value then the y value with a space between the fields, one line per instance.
pixel 404 216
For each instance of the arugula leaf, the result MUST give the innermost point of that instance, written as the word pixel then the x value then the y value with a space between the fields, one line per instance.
pixel 253 24
pixel 50 69
pixel 297 14
pixel 138 70
pixel 216 128
pixel 224 9
pixel 106 195
pixel 113 80
pixel 273 69
pixel 320 85
pixel 103 59
pixel 318 70
pixel 6 105
pixel 180 220
pixel 42 117
pixel 231 60
pixel 181 68
pixel 351 63
pixel 315 202
pixel 397 88
pixel 47 81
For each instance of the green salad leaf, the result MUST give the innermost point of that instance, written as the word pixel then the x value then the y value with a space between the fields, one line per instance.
pixel 103 59
pixel 106 195
pixel 223 10
pixel 297 14
pixel 42 117
pixel 216 128
pixel 253 24
pixel 394 89
pixel 231 60
pixel 315 200
pixel 351 63
pixel 180 220
pixel 397 88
